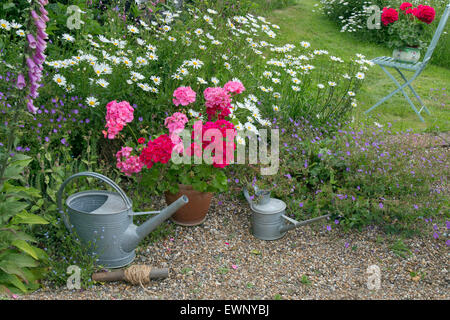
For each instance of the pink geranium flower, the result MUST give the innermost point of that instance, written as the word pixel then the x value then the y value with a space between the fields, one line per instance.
pixel 118 114
pixel 218 102
pixel 184 96
pixel 235 87
pixel 127 163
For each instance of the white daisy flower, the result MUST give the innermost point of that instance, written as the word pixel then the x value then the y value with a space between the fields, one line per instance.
pixel 360 75
pixel 151 47
pixel 208 19
pixel 92 102
pixel 195 63
pixel 15 25
pixel 215 81
pixel 166 28
pixel 133 29
pixel 177 76
pixel 156 80
pixel 305 44
pixel 141 61
pixel 102 83
pixel 136 76
pixel 60 80
pixel 5 25
pixel 201 80
pixel 127 62
pixel 240 140
pixel 68 37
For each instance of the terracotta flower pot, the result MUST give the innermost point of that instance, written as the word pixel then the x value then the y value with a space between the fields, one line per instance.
pixel 194 212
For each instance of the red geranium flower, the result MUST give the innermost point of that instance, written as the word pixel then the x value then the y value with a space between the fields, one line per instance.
pixel 158 150
pixel 389 15
pixel 141 140
pixel 425 13
pixel 228 134
pixel 405 5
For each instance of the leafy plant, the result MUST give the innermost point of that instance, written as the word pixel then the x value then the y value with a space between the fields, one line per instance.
pixel 407 30
pixel 20 259
pixel 400 249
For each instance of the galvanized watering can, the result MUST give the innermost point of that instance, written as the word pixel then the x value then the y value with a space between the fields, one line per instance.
pixel 268 220
pixel 105 220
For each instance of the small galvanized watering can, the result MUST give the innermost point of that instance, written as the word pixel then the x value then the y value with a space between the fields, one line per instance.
pixel 105 220
pixel 268 216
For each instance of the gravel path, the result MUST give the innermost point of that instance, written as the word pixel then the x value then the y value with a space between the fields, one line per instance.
pixel 222 260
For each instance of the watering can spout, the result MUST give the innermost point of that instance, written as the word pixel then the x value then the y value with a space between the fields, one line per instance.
pixel 295 224
pixel 135 234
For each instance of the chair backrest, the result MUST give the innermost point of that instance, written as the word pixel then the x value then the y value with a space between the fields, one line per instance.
pixel 437 34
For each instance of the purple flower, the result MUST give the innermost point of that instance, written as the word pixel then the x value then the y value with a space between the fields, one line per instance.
pixel 31 41
pixel 381 205
pixel 20 82
pixel 301 204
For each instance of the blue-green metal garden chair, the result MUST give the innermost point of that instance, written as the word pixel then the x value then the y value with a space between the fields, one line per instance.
pixel 417 67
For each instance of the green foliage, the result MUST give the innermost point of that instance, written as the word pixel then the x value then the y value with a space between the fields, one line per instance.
pixel 400 249
pixel 20 258
pixel 406 33
pixel 203 178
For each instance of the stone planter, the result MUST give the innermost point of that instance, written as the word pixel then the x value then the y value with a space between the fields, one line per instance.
pixel 194 212
pixel 406 54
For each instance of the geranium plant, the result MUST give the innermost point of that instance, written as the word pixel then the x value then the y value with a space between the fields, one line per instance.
pixel 207 147
pixel 407 27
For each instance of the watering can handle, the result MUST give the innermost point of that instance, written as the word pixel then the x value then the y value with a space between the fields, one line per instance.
pixel 88 174
pixel 247 196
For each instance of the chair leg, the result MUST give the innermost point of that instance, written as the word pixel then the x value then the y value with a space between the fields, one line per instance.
pixel 407 83
pixel 414 92
pixel 400 88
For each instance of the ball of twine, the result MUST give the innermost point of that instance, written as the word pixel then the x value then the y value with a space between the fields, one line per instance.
pixel 138 274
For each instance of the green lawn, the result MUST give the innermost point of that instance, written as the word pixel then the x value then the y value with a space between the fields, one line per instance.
pixel 300 23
